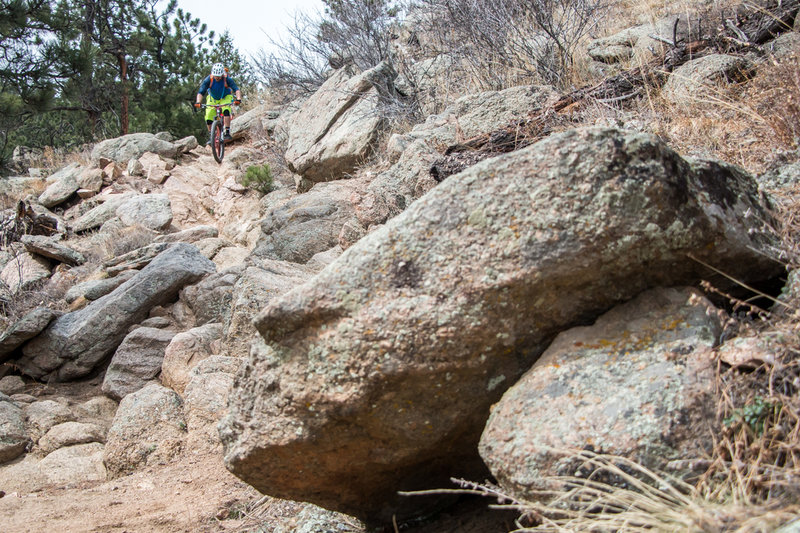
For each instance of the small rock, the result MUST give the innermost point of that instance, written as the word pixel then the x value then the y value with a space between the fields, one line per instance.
pixel 69 434
pixel 11 385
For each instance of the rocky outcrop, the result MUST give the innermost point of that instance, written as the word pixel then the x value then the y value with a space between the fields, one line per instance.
pixel 337 127
pixel 382 368
pixel 77 342
pixel 638 383
pixel 123 149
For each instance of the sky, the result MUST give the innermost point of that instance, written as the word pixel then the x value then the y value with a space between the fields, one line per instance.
pixel 248 20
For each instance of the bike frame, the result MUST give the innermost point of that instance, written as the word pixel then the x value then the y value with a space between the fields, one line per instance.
pixel 218 130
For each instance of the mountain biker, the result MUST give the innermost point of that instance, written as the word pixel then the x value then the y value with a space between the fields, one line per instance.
pixel 221 90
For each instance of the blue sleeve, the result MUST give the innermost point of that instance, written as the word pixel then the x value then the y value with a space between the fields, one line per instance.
pixel 204 86
pixel 232 85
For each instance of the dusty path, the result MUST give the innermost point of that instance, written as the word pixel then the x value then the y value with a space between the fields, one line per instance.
pixel 186 496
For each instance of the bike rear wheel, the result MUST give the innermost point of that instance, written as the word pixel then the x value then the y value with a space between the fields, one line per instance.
pixel 217 140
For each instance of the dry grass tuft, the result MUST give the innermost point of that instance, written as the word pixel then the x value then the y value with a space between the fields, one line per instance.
pixel 744 123
pixel 776 92
pixel 615 494
pixel 116 242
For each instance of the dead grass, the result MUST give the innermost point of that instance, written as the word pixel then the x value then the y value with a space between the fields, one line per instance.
pixel 116 242
pixel 609 494
pixel 744 123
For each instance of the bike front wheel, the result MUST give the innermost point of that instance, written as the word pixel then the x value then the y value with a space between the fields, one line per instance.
pixel 217 140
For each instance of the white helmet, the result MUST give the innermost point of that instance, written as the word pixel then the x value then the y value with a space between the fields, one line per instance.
pixel 218 69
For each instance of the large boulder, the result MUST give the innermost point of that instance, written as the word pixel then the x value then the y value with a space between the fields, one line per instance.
pixel 476 114
pixel 184 351
pixel 24 157
pixel 13 438
pixel 70 465
pixel 639 383
pixel 24 271
pixel 431 80
pixel 61 185
pixel 154 168
pixel 42 415
pixel 153 211
pixel 123 149
pixel 192 234
pixel 75 464
pixel 206 395
pixel 337 127
pixel 308 223
pixel 75 343
pixel 256 123
pixel 137 361
pixel 149 427
pixel 191 190
pixel 70 434
pixel 24 329
pixel 50 247
pixel 698 78
pixel 210 299
pixel 98 215
pixel 381 369
pixel 258 285
pixel 18 187
pixel 640 42
pixel 93 289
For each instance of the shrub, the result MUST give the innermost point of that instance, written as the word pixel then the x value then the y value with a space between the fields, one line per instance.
pixel 258 178
pixel 347 32
pixel 508 42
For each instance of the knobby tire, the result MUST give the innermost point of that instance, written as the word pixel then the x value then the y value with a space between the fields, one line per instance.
pixel 217 141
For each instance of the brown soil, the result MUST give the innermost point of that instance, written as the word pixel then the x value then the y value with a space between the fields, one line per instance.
pixel 184 496
pixel 194 493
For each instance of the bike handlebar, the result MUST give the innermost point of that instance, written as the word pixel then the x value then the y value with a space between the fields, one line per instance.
pixel 203 106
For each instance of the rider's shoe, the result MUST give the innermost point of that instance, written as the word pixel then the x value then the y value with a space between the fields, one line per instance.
pixel 227 137
pixel 208 142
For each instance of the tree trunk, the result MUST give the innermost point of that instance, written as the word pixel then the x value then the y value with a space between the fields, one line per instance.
pixel 123 74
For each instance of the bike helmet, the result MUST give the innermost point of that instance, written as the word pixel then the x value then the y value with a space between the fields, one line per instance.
pixel 218 69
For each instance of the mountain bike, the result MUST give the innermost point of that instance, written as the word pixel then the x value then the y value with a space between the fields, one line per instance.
pixel 217 130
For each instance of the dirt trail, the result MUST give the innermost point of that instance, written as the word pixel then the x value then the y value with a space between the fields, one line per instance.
pixel 185 496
